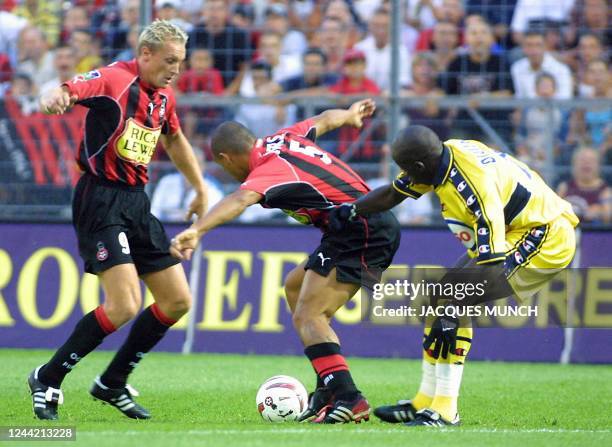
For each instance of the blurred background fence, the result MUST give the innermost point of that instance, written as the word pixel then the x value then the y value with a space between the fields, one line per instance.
pixel 529 77
pixel 37 168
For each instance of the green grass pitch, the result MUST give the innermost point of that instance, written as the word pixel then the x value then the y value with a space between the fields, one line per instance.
pixel 209 399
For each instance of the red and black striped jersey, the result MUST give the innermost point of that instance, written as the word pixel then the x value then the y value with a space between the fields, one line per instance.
pixel 297 176
pixel 125 119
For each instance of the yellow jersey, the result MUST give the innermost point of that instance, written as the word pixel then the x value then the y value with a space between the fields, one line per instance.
pixel 485 194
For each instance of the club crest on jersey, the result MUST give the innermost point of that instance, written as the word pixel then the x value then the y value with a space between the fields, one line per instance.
pixel 150 108
pixel 102 253
pixel 93 74
pixel 162 108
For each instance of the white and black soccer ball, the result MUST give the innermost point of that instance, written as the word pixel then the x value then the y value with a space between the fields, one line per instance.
pixel 281 398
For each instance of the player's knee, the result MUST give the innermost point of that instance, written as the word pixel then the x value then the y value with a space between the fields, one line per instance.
pixel 179 306
pixel 299 318
pixel 303 317
pixel 120 312
pixel 291 293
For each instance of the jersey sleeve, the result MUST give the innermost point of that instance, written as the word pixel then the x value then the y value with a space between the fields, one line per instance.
pixel 272 173
pixel 92 83
pixel 403 185
pixel 304 129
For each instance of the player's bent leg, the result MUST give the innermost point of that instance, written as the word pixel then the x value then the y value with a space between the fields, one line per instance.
pixel 172 300
pixel 122 295
pixel 320 297
pixel 122 298
pixel 443 410
pixel 170 290
pixel 293 284
pixel 321 396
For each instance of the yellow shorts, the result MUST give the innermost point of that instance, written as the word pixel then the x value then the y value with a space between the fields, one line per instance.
pixel 535 256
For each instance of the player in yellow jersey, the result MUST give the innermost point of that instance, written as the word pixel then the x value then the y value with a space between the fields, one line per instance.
pixel 510 221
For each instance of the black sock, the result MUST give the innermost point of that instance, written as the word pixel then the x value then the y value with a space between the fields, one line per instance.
pixel 148 329
pixel 86 336
pixel 332 369
pixel 320 383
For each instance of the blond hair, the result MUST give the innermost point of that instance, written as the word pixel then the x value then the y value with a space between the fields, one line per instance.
pixel 159 32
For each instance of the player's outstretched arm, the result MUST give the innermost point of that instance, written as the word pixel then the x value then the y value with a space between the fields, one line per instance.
pixel 227 209
pixel 381 199
pixel 353 116
pixel 57 101
pixel 181 154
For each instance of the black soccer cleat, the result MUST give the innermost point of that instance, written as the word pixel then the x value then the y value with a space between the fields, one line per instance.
pixel 320 399
pixel 431 418
pixel 403 411
pixel 45 399
pixel 344 412
pixel 120 398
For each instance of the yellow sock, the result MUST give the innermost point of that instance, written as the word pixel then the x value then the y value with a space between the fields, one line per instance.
pixel 427 388
pixel 446 406
pixel 449 372
pixel 421 401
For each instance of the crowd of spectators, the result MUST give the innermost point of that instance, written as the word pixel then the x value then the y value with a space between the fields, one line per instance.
pixel 285 49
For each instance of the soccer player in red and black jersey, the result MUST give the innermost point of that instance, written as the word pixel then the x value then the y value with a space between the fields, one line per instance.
pixel 289 171
pixel 131 107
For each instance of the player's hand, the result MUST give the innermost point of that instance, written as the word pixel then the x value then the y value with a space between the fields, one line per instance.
pixel 198 206
pixel 360 110
pixel 340 216
pixel 183 244
pixel 443 335
pixel 57 101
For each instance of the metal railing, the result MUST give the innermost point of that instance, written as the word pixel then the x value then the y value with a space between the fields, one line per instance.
pixel 51 199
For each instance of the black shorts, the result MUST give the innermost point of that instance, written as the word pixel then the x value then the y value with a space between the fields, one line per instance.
pixel 361 252
pixel 114 225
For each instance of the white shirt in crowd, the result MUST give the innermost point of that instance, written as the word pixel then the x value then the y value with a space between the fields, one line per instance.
pixel 39 73
pixel 261 119
pixel 524 77
pixel 173 194
pixel 294 43
pixel 527 10
pixel 415 9
pixel 10 27
pixel 378 63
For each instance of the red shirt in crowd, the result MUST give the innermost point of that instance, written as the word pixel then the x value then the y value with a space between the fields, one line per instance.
pixel 348 135
pixel 6 73
pixel 209 80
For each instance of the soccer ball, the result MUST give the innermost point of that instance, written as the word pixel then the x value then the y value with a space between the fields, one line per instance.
pixel 281 398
